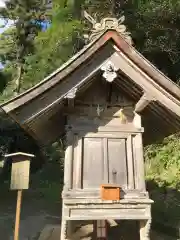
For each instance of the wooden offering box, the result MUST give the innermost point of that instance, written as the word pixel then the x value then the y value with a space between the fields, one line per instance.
pixel 110 192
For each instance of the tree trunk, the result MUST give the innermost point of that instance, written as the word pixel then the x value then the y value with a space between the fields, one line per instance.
pixel 117 6
pixel 77 8
pixel 18 79
pixel 113 6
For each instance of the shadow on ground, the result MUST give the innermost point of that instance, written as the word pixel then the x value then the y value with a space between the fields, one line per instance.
pixel 166 209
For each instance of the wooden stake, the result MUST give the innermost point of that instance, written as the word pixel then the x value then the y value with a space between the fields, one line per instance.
pixel 18 211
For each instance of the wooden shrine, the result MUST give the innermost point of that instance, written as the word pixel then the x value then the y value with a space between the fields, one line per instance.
pixel 107 100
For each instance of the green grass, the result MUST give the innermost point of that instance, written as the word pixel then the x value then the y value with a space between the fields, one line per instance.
pixel 162 164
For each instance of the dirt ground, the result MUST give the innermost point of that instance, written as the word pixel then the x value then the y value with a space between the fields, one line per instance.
pixel 40 225
pixel 41 221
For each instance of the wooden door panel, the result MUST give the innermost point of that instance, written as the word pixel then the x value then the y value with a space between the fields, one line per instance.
pixel 93 166
pixel 117 160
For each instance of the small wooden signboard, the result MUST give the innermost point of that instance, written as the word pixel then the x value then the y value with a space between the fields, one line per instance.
pixel 20 170
pixel 19 181
pixel 20 175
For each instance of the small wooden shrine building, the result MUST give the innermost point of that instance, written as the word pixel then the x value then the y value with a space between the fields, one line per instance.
pixel 104 99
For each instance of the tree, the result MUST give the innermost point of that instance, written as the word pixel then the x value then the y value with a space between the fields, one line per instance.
pixel 154 26
pixel 155 29
pixel 3 81
pixel 22 12
pixel 54 46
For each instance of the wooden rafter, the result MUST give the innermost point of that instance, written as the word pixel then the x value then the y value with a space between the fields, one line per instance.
pixel 143 102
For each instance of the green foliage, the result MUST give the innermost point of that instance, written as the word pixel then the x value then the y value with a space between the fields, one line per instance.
pixel 155 30
pixel 163 162
pixel 7 46
pixel 154 26
pixel 56 43
pixel 23 13
pixel 48 182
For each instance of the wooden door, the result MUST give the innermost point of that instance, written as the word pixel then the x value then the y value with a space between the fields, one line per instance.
pixel 104 160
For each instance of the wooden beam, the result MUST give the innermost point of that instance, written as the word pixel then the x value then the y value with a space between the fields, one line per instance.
pixel 148 84
pixel 71 96
pixel 167 120
pixel 143 102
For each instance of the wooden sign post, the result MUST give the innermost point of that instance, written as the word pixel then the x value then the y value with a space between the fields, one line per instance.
pixel 19 181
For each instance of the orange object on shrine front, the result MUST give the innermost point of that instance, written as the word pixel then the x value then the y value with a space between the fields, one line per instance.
pixel 110 192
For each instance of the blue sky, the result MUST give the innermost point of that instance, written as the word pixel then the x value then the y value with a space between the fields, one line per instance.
pixel 2 22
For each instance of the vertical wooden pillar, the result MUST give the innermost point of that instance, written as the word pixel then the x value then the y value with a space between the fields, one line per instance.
pixel 145 227
pixel 63 229
pixel 139 155
pixel 137 120
pixel 101 229
pixel 68 162
pixel 130 163
pixel 105 152
pixel 78 181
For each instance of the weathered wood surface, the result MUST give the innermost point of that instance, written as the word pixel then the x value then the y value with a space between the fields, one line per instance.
pixel 135 77
pixel 95 209
pixel 20 175
pixel 136 57
pixel 95 194
pixel 143 102
pixel 105 149
pixel 20 170
pixel 105 157
pixel 93 170
pixel 147 84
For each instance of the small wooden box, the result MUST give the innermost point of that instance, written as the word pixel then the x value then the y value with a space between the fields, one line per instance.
pixel 110 192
